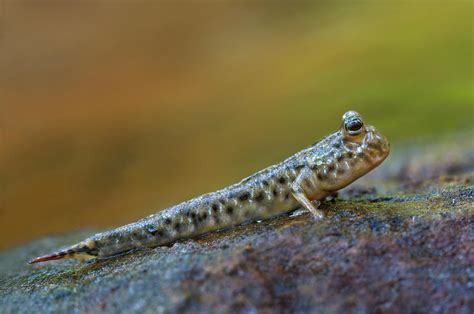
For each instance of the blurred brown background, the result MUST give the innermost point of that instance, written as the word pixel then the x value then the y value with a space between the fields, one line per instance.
pixel 111 110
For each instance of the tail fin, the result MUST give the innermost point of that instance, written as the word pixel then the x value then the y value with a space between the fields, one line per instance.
pixel 85 249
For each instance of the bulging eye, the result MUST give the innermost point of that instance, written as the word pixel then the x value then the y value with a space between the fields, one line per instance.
pixel 354 127
pixel 352 123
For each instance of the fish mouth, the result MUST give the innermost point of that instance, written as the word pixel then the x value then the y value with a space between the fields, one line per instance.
pixel 377 160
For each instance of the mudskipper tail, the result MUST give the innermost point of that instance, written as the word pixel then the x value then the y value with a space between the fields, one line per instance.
pixel 85 249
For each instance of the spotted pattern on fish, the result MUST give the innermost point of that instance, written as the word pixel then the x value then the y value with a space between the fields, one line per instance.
pixel 299 181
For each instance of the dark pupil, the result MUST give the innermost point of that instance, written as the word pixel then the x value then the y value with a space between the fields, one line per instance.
pixel 354 126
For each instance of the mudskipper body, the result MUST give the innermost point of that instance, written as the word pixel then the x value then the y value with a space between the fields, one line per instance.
pixel 302 180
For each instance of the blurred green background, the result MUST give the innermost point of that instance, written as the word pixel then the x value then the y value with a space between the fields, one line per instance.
pixel 113 110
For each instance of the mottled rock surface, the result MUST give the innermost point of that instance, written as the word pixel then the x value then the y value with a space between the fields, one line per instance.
pixel 399 241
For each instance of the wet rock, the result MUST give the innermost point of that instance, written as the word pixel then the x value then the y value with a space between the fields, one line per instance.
pixel 397 241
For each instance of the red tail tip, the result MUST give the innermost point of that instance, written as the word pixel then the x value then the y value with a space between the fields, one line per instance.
pixel 45 258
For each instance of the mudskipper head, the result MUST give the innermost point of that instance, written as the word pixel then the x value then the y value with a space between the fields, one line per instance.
pixel 355 149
